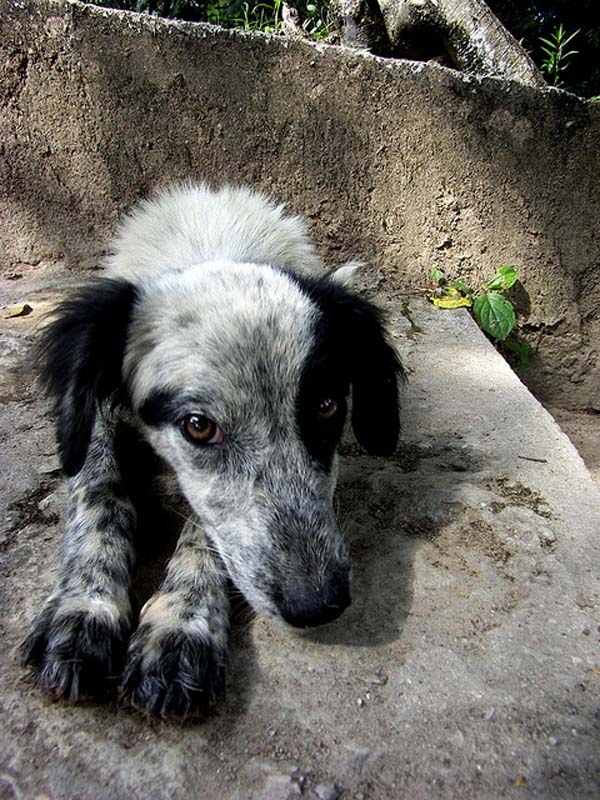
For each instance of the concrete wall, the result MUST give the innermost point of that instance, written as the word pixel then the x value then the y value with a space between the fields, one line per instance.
pixel 398 163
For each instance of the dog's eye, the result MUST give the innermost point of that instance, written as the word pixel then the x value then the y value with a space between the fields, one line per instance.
pixel 327 408
pixel 199 429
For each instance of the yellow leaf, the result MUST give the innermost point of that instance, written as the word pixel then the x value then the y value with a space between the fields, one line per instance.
pixel 19 311
pixel 451 298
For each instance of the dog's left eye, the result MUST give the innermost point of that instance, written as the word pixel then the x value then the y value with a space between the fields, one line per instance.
pixel 327 408
pixel 199 429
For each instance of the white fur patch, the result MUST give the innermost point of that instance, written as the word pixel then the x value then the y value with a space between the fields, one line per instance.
pixel 190 224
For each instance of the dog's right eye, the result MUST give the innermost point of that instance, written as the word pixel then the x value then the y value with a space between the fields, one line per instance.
pixel 199 429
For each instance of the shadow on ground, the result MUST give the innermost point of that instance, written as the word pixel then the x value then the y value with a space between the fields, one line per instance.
pixel 388 508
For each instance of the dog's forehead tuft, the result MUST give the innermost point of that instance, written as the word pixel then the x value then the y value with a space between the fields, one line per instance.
pixel 234 324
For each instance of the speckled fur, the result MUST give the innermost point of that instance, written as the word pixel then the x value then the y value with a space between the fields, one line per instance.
pixel 208 307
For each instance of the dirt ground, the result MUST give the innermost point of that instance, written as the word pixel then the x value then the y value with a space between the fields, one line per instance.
pixel 467 664
pixel 583 429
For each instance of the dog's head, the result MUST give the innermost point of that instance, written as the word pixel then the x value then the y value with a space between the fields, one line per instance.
pixel 238 376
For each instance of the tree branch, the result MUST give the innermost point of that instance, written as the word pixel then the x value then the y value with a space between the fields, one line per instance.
pixel 474 38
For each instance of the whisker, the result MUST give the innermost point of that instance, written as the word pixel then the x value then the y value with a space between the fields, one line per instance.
pixel 198 525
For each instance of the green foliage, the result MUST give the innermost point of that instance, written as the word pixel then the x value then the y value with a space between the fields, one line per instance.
pixel 541 26
pixel 438 276
pixel 556 56
pixel 504 279
pixel 494 313
pixel 315 22
pixel 190 10
pixel 545 28
pixel 263 16
pixel 521 351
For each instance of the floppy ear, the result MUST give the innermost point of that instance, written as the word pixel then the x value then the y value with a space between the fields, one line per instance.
pixel 375 372
pixel 355 330
pixel 80 357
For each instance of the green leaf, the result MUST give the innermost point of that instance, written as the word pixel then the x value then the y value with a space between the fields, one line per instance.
pixel 504 278
pixel 495 314
pixel 570 38
pixel 438 275
pixel 461 286
pixel 522 350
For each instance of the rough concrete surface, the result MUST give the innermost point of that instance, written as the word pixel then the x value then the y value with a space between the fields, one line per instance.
pixel 468 665
pixel 393 162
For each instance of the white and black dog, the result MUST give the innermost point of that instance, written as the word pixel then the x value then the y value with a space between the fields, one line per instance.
pixel 219 337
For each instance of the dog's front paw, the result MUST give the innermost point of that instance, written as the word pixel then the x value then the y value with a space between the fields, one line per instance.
pixel 177 672
pixel 76 646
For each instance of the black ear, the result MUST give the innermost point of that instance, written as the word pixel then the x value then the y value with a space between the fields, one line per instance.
pixel 375 372
pixel 355 329
pixel 80 357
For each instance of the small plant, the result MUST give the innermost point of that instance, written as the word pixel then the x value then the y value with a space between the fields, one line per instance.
pixel 315 22
pixel 493 312
pixel 556 56
pixel 264 17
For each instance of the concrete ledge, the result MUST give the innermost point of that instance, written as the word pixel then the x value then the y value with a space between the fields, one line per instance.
pixel 467 665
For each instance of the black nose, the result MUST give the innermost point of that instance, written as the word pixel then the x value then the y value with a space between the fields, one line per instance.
pixel 318 608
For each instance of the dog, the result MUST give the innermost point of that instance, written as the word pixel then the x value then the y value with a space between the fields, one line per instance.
pixel 216 335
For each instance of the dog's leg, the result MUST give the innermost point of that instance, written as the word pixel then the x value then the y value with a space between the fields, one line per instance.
pixel 77 642
pixel 177 656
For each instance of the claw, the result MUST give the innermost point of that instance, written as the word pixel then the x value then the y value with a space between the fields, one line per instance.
pixel 181 675
pixel 73 655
